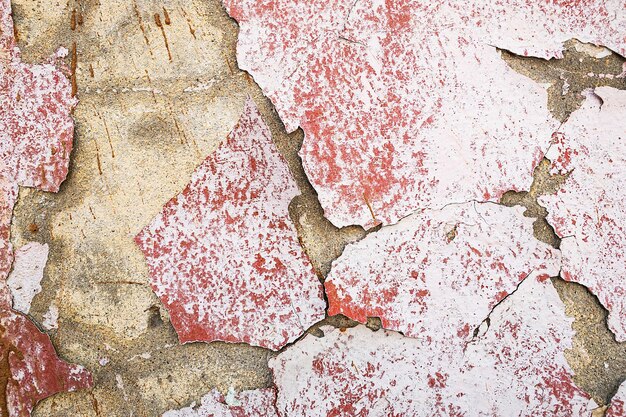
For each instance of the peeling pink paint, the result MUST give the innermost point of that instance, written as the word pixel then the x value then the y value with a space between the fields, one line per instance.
pixel 31 370
pixel 617 408
pixel 224 256
pixel 36 133
pixel 461 260
pixel 255 403
pixel 407 104
pixel 515 367
pixel 588 212
pixel 36 129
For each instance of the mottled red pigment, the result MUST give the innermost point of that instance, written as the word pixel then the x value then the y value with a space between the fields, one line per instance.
pixel 224 256
pixel 407 104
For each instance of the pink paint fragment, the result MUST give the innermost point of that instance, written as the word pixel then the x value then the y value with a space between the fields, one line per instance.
pixel 256 403
pixel 516 367
pixel 407 104
pixel 588 211
pixel 461 260
pixel 36 133
pixel 224 256
pixel 617 408
pixel 36 129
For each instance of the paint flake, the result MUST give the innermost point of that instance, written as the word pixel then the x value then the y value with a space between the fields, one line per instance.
pixel 617 408
pixel 588 211
pixel 256 403
pixel 25 278
pixel 31 370
pixel 224 256
pixel 407 104
pixel 463 260
pixel 516 368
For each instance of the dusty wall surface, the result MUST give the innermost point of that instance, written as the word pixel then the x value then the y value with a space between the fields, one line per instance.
pixel 159 89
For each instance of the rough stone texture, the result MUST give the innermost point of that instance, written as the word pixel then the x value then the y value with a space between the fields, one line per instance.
pixel 97 278
pixel 516 366
pixel 25 279
pixel 223 254
pixel 257 403
pixel 461 260
pixel 395 111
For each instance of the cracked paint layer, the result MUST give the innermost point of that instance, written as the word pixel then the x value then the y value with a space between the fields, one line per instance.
pixel 36 132
pixel 588 211
pixel 617 408
pixel 36 129
pixel 254 403
pixel 514 367
pixel 407 104
pixel 461 260
pixel 224 256
pixel 25 278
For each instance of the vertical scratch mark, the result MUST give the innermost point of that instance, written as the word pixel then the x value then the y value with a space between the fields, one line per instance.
pixel 73 20
pixel 157 20
pixel 191 29
pixel 73 69
pixel 98 157
pixel 106 128
pixel 142 27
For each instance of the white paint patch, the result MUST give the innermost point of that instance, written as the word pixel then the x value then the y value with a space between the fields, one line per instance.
pixel 25 278
pixel 256 403
pixel 51 318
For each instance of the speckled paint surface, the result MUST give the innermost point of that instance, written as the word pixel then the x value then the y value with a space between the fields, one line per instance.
pixel 514 367
pixel 407 104
pixel 255 403
pixel 588 212
pixel 224 256
pixel 439 272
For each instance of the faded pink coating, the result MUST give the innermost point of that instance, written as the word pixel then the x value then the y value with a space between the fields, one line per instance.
pixel 36 132
pixel 515 367
pixel 588 211
pixel 407 104
pixel 224 256
pixel 617 408
pixel 461 260
pixel 254 403
pixel 36 129
pixel 34 370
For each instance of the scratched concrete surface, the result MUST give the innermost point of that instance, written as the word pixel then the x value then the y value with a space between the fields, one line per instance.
pixel 158 94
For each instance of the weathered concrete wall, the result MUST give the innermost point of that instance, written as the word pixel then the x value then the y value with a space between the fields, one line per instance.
pixel 160 89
